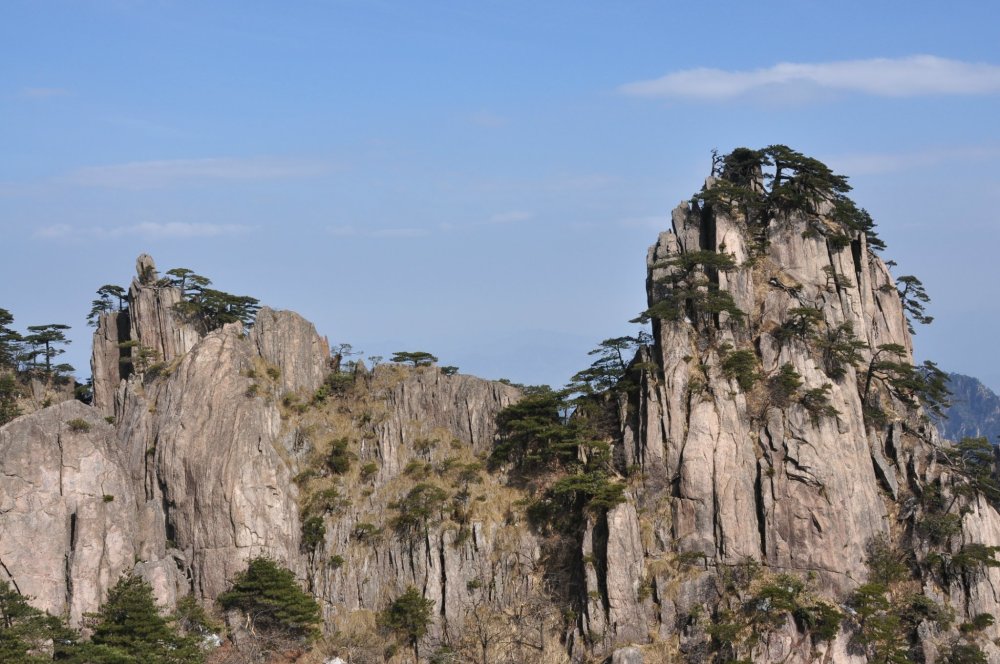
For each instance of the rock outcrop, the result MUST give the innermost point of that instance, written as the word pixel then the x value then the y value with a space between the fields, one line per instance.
pixel 67 510
pixel 771 433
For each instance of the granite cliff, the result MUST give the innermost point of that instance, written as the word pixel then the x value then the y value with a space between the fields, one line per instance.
pixel 771 442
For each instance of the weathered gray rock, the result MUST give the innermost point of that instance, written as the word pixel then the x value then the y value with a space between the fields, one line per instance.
pixel 105 364
pixel 204 453
pixel 286 340
pixel 627 656
pixel 426 404
pixel 67 513
pixel 152 321
pixel 754 480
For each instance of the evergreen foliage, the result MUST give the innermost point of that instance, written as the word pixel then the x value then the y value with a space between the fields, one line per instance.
pixel 409 616
pixel 10 341
pixel 741 366
pixel 109 298
pixel 784 385
pixel 129 628
pixel 417 358
pixel 914 297
pixel 45 341
pixel 422 506
pixel 536 433
pixel 207 308
pixel 609 370
pixel 924 384
pixel 26 632
pixel 272 601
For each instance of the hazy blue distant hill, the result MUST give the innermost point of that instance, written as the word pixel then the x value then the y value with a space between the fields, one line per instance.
pixel 975 410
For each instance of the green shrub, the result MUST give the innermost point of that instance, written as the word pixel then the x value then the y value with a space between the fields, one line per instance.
pixel 418 470
pixel 366 532
pixel 369 470
pixel 409 616
pixel 79 425
pixel 784 385
pixel 978 623
pixel 821 619
pixel 108 498
pixel 964 653
pixel 973 557
pixel 327 501
pixel 338 459
pixel 418 509
pixel 741 365
pixel 817 403
pixel 192 618
pixel 336 561
pixel 887 563
pixel 801 323
pixel 313 532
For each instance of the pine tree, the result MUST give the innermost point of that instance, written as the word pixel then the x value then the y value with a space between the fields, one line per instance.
pixel 26 632
pixel 129 628
pixel 409 615
pixel 272 601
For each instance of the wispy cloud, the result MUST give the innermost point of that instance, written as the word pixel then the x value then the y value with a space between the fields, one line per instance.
pixel 42 93
pixel 882 77
pixel 873 163
pixel 145 230
pixel 169 172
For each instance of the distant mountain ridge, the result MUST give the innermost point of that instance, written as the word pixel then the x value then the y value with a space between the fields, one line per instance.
pixel 974 410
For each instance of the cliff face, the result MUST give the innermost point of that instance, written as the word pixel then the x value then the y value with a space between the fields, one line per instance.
pixel 67 517
pixel 765 441
pixel 753 477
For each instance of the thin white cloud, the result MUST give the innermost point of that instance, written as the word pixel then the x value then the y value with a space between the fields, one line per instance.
pixel 874 163
pixel 144 230
pixel 42 93
pixel 164 173
pixel 911 76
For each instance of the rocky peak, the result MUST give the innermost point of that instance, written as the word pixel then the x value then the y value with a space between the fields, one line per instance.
pixel 147 333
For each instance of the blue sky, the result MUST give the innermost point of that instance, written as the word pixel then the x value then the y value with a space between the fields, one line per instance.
pixel 477 179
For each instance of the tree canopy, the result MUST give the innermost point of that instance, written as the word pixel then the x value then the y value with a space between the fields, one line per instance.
pixel 130 628
pixel 272 600
pixel 409 615
pixel 44 341
pixel 109 298
pixel 762 184
pixel 207 308
pixel 417 358
pixel 10 340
